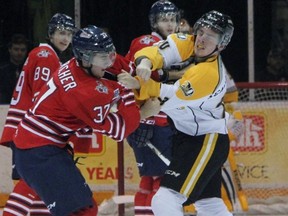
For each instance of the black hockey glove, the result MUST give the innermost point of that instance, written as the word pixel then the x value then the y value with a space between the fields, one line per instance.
pixel 141 136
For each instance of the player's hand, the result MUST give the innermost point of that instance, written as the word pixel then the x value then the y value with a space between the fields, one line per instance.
pixel 143 70
pixel 150 108
pixel 235 125
pixel 127 80
pixel 141 135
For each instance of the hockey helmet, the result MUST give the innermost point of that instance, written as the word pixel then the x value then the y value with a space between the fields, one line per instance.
pixel 218 22
pixel 61 22
pixel 162 8
pixel 93 46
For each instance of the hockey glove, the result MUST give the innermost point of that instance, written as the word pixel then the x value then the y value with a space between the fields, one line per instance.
pixel 235 125
pixel 141 135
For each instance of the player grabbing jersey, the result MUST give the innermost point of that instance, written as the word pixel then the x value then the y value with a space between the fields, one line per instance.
pixel 76 97
pixel 164 19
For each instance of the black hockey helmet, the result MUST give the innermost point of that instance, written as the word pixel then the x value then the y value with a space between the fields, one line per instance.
pixel 61 22
pixel 162 8
pixel 91 40
pixel 218 22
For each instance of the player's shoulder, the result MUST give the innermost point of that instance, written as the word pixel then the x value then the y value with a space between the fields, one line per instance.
pixel 145 40
pixel 181 43
pixel 43 51
pixel 181 37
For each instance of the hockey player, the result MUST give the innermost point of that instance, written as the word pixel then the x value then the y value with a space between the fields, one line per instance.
pixel 75 97
pixel 195 105
pixel 232 192
pixel 37 70
pixel 164 19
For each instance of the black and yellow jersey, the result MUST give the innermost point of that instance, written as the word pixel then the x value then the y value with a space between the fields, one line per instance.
pixel 195 102
pixel 176 48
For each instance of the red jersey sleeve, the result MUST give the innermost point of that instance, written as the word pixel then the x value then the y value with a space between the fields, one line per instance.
pixel 92 100
pixel 138 44
pixel 95 111
pixel 121 63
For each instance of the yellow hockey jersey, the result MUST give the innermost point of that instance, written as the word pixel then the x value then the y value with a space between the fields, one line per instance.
pixel 195 102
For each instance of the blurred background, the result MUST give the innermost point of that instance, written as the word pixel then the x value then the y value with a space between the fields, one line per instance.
pixel 127 19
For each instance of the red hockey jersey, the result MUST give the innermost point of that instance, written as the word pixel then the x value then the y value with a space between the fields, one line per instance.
pixel 136 45
pixel 42 61
pixel 72 101
pixel 141 42
pixel 119 64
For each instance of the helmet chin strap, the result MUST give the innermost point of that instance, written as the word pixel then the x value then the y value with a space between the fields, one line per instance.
pixel 201 59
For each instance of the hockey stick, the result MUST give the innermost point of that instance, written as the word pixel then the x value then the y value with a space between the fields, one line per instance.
pixel 158 153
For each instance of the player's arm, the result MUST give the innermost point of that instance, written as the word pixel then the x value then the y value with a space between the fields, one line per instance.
pixel 232 91
pixel 189 87
pixel 176 48
pixel 235 122
pixel 118 125
pixel 127 117
pixel 94 109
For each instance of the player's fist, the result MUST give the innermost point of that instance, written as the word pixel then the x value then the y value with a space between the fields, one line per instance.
pixel 127 80
pixel 143 70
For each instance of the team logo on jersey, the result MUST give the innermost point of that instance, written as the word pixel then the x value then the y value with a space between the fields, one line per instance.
pixel 43 53
pixel 147 40
pixel 116 93
pixel 186 88
pixel 101 88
